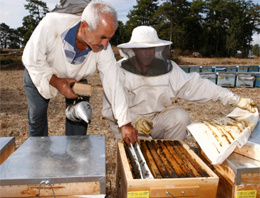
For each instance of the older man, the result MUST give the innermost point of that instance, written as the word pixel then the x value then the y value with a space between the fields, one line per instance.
pixel 63 49
pixel 151 80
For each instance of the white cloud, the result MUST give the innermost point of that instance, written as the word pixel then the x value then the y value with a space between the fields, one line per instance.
pixel 256 39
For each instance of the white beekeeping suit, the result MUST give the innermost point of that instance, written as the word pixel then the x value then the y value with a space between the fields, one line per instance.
pixel 71 6
pixel 150 90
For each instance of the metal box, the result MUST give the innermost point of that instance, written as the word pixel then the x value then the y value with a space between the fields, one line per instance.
pixel 226 79
pixel 128 186
pixel 257 80
pixel 186 68
pixel 195 69
pixel 210 76
pixel 220 68
pixel 253 68
pixel 206 69
pixel 245 80
pixel 7 147
pixel 242 68
pixel 56 166
pixel 232 68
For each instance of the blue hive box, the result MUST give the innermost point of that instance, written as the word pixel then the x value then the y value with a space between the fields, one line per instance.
pixel 242 68
pixel 253 68
pixel 257 80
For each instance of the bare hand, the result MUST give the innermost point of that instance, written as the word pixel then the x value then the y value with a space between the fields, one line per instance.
pixel 129 134
pixel 63 86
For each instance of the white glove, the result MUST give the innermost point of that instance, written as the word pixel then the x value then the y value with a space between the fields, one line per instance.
pixel 143 125
pixel 247 104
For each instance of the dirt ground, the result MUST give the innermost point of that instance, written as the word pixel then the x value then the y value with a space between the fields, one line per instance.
pixel 13 109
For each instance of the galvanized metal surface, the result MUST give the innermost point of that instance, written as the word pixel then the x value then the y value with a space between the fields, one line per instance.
pixel 58 159
pixel 5 142
pixel 242 165
pixel 255 135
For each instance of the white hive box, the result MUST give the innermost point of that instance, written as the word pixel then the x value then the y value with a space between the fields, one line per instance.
pixel 245 80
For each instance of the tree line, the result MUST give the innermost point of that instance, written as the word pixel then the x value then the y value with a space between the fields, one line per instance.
pixel 214 28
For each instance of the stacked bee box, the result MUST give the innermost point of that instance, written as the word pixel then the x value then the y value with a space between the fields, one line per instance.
pixel 239 174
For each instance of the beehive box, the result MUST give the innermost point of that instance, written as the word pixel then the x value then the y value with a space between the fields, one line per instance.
pixel 195 69
pixel 220 68
pixel 188 186
pixel 210 76
pixel 226 79
pixel 238 177
pixel 245 80
pixel 206 69
pixel 7 147
pixel 253 68
pixel 232 68
pixel 185 68
pixel 61 166
pixel 257 80
pixel 242 68
pixel 239 174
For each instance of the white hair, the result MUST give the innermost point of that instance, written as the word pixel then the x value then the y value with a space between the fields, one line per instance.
pixel 94 11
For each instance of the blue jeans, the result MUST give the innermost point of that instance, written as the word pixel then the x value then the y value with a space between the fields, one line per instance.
pixel 37 112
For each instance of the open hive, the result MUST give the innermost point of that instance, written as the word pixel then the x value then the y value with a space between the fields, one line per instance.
pixel 168 159
pixel 176 169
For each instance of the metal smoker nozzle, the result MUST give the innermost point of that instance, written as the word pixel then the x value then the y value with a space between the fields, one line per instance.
pixel 80 111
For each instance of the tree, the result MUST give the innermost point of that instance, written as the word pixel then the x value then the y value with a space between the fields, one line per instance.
pixel 9 38
pixel 256 50
pixel 4 31
pixel 142 14
pixel 120 36
pixel 37 10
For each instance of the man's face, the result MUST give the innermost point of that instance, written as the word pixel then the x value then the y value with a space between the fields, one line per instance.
pixel 144 56
pixel 97 39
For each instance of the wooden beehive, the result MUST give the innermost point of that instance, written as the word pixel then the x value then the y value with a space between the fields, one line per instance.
pixel 187 186
pixel 239 176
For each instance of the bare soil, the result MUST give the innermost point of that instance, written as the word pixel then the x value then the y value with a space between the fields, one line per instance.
pixel 13 109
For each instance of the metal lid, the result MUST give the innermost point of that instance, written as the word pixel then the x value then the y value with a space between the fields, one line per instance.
pixel 58 159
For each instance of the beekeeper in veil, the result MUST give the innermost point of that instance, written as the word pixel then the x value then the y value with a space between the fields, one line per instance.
pixel 151 80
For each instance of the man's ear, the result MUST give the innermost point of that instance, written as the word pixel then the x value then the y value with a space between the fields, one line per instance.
pixel 84 25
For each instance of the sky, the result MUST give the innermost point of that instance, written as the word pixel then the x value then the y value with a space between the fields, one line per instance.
pixel 13 11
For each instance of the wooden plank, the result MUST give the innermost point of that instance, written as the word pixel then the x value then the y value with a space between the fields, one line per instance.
pixel 164 159
pixel 7 150
pixel 190 160
pixel 172 161
pixel 62 189
pixel 82 89
pixel 183 166
pixel 186 161
pixel 186 191
pixel 158 160
pixel 248 151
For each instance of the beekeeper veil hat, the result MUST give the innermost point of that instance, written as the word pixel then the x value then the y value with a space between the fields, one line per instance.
pixel 142 37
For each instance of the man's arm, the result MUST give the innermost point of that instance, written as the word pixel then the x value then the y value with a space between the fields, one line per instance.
pixel 63 86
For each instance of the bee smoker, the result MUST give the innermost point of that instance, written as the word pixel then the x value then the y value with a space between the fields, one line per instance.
pixel 81 108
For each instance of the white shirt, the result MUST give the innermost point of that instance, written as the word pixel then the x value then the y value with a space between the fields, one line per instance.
pixel 44 56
